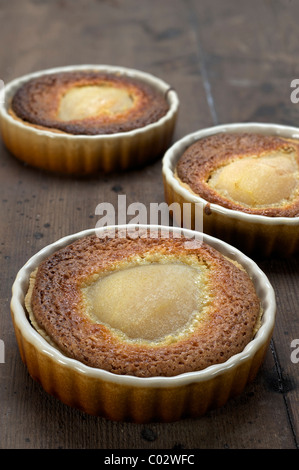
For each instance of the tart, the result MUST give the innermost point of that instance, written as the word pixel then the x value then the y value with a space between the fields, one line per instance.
pixel 83 119
pixel 246 178
pixel 144 306
pixel 249 172
pixel 142 328
pixel 88 102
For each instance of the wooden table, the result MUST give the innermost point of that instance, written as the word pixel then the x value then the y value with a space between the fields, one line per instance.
pixel 229 62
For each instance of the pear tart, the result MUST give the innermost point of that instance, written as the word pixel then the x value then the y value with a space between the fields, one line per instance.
pixel 252 173
pixel 85 119
pixel 143 306
pixel 88 102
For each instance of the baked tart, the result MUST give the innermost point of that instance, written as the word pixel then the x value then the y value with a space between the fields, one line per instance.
pixel 88 102
pixel 142 328
pixel 246 178
pixel 144 306
pixel 248 172
pixel 83 119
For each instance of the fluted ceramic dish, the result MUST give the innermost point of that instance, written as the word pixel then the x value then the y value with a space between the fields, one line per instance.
pixel 138 399
pixel 85 154
pixel 253 234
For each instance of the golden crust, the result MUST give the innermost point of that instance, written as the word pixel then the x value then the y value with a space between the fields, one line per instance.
pixel 204 157
pixel 55 301
pixel 37 103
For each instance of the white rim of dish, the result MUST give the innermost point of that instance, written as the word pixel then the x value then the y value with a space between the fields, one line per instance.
pixel 10 88
pixel 264 289
pixel 174 152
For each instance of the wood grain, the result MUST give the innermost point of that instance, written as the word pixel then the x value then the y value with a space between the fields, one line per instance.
pixel 229 61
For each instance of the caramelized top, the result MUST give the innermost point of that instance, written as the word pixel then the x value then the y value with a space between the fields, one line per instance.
pixel 88 103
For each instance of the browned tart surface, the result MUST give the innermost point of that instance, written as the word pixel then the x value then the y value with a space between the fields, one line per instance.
pixel 88 103
pixel 143 306
pixel 253 173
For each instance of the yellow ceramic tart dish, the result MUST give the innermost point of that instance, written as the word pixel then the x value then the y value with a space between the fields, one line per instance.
pixel 142 328
pixel 246 178
pixel 83 119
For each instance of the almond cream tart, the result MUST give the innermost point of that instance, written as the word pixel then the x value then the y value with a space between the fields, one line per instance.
pixel 143 306
pixel 87 102
pixel 252 173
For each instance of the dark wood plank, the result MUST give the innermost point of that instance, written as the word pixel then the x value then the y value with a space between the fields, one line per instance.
pixel 226 66
pixel 249 53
